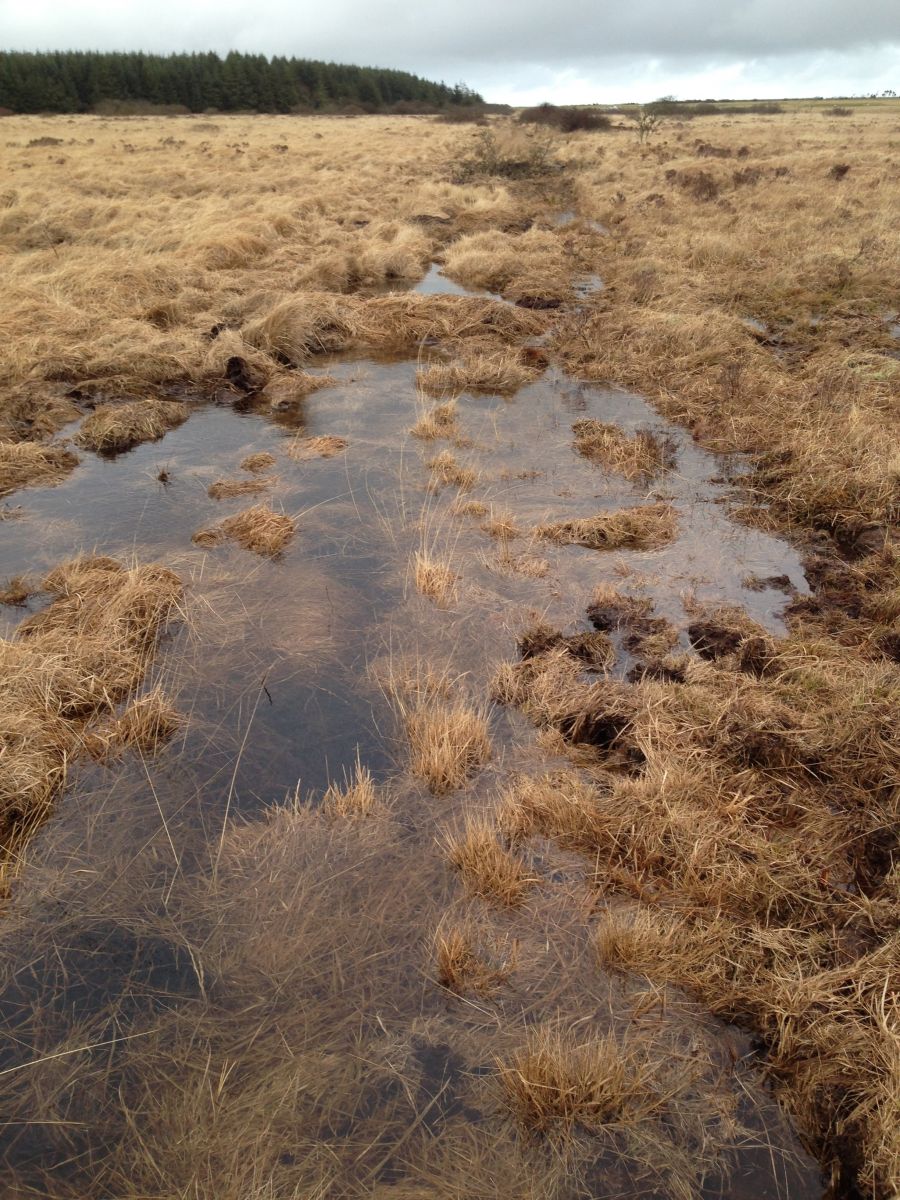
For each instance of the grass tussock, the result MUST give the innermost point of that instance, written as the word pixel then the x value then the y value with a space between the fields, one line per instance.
pixel 258 463
pixel 446 471
pixel 488 868
pixel 638 456
pixel 325 446
pixel 227 489
pixel 468 958
pixel 65 667
pixel 259 529
pixel 434 577
pixel 449 738
pixel 501 525
pixel 437 422
pixel 356 797
pixel 644 528
pixel 146 725
pixel 113 428
pixel 33 464
pixel 497 373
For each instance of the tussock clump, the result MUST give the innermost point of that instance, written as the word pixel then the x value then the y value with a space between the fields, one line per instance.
pixel 556 1084
pixel 356 797
pixel 447 472
pixel 67 665
pixel 468 958
pixel 463 507
pixel 434 577
pixel 258 463
pixel 448 739
pixel 590 1095
pixel 488 869
pixel 641 455
pixel 594 648
pixel 499 372
pixel 298 327
pixel 645 528
pixel 438 422
pixel 16 591
pixel 113 428
pixel 326 446
pixel 226 489
pixel 146 725
pixel 502 525
pixel 259 529
pixel 24 464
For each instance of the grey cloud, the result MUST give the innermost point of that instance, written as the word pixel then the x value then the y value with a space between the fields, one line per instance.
pixel 499 40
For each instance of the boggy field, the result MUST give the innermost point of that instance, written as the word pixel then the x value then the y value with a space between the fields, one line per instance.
pixel 451 622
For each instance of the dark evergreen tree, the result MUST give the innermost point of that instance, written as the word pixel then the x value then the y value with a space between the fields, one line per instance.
pixel 79 81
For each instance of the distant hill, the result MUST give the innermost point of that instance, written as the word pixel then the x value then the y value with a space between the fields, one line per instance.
pixel 81 81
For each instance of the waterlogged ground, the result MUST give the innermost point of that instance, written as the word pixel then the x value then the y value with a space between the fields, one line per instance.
pixel 283 670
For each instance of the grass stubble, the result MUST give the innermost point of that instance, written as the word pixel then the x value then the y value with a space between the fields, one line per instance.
pixel 738 806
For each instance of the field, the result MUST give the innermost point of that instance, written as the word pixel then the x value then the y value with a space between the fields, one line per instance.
pixel 450 635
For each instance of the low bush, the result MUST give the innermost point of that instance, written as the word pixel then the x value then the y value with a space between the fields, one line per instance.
pixel 565 118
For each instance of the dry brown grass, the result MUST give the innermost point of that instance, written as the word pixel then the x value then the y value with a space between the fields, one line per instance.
pixel 433 576
pixel 499 372
pixel 32 464
pixel 324 446
pixel 259 529
pixel 636 456
pixel 468 958
pixel 112 428
pixel 356 797
pixel 437 422
pixel 146 725
pixel 502 525
pixel 259 463
pixel 227 489
pixel 449 738
pixel 488 869
pixel 446 471
pixel 645 528
pixel 760 737
pixel 65 667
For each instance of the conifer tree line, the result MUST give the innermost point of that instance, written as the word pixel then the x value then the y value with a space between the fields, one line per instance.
pixel 80 81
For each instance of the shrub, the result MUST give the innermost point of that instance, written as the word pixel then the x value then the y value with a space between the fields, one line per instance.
pixel 839 110
pixel 566 118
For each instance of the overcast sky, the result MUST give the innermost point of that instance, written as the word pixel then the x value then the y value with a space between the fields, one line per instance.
pixel 518 51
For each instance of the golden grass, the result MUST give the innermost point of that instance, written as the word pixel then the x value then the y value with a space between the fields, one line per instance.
pixel 446 471
pixel 433 576
pixel 644 528
pixel 499 372
pixel 324 446
pixel 448 739
pixel 636 456
pixel 67 666
pixel 32 464
pixel 502 525
pixel 112 428
pixel 356 797
pixel 227 489
pixel 258 463
pixel 468 959
pixel 488 869
pixel 259 529
pixel 146 725
pixel 437 422
pixel 555 1084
